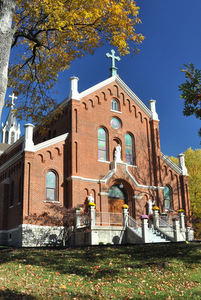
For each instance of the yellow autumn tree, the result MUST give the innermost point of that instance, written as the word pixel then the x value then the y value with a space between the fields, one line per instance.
pixel 193 165
pixel 51 34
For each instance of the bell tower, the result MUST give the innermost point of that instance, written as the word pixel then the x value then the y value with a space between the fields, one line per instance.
pixel 10 131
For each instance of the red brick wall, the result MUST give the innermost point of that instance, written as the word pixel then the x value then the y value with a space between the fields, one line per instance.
pixel 75 160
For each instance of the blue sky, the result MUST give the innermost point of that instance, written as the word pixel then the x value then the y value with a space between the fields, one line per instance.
pixel 173 37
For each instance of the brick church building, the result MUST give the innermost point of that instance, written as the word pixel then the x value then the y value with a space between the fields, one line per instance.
pixel 105 145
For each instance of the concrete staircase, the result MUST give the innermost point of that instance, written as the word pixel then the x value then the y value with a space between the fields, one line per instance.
pixel 155 236
pixel 134 233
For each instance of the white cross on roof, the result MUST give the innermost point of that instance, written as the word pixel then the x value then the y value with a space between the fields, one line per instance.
pixel 13 97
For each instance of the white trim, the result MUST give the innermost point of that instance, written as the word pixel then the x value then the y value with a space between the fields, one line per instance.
pixel 82 179
pixel 51 201
pixel 37 147
pixel 98 86
pixel 50 142
pixel 104 161
pixel 116 111
pixel 103 194
pixel 133 96
pixel 111 173
pixel 171 164
pixel 123 85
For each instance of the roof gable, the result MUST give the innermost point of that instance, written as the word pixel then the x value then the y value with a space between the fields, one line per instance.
pixel 124 86
pixel 115 79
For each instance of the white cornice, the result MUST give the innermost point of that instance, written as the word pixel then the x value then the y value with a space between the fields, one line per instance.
pixel 133 96
pixel 50 142
pixel 171 164
pixel 110 174
pixel 37 147
pixel 123 85
pixel 82 179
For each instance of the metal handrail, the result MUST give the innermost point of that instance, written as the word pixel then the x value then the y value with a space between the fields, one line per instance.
pixel 84 221
pixel 163 223
pixel 133 223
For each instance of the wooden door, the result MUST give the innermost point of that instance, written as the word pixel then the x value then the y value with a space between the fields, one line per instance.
pixel 115 209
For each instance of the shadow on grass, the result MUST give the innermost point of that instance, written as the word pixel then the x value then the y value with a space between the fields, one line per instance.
pixel 86 261
pixel 14 295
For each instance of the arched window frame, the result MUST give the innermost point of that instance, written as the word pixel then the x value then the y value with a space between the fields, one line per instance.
pixel 52 189
pixel 167 197
pixel 6 136
pixel 115 105
pixel 12 193
pixel 129 149
pixel 12 137
pixel 102 145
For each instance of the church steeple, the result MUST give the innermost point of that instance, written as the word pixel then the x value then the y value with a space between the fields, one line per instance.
pixel 10 132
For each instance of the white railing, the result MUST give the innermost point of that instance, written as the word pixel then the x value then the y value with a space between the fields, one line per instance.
pixel 133 223
pixel 84 221
pixel 109 219
pixel 167 221
pixel 165 225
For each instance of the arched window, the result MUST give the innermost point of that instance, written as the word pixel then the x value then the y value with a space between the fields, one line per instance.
pixel 51 186
pixel 102 144
pixel 129 149
pixel 12 190
pixel 6 137
pixel 115 192
pixel 12 137
pixel 115 105
pixel 167 197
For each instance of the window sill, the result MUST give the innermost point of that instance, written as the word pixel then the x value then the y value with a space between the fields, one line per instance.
pixel 51 201
pixel 104 161
pixel 116 111
pixel 133 166
pixel 11 206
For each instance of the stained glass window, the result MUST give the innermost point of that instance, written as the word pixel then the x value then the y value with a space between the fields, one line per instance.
pixel 167 197
pixel 116 192
pixel 115 105
pixel 51 186
pixel 129 149
pixel 115 123
pixel 102 144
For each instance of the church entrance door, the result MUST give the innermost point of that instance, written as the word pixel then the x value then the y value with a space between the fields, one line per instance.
pixel 116 199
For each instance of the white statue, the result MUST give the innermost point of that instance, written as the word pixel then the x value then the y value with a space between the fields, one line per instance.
pixel 150 205
pixel 91 199
pixel 117 154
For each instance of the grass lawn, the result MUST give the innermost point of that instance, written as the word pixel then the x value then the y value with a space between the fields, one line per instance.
pixel 163 271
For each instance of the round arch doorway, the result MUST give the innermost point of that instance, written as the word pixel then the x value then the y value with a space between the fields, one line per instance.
pixel 117 197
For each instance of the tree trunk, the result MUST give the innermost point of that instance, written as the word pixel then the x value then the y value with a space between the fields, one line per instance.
pixel 6 34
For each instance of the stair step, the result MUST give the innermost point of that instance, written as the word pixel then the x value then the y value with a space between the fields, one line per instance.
pixel 155 236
